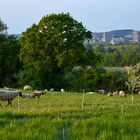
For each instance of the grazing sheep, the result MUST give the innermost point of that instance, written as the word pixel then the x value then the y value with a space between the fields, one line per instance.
pixel 38 94
pixel 28 96
pixel 9 96
pixel 46 90
pixel 103 91
pixel 115 92
pixel 62 90
pixel 6 88
pixel 91 92
pixel 51 89
pixel 27 87
pixel 110 94
pixel 122 94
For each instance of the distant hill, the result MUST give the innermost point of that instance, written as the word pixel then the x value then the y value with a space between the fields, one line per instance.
pixel 123 35
pixel 120 33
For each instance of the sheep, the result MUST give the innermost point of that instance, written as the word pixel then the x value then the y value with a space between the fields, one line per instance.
pixel 27 87
pixel 115 92
pixel 91 92
pixel 6 88
pixel 103 91
pixel 9 96
pixel 51 89
pixel 46 90
pixel 122 94
pixel 62 90
pixel 110 94
pixel 37 94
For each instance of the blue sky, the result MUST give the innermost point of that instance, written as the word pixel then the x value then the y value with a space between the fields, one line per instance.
pixel 96 15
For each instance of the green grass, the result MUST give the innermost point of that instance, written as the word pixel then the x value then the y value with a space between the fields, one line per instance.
pixel 64 116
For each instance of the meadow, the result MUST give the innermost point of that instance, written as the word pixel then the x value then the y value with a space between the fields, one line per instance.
pixel 71 116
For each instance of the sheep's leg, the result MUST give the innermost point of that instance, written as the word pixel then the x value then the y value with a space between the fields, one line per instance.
pixel 9 102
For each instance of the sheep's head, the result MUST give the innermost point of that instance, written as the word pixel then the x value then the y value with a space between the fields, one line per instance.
pixel 19 93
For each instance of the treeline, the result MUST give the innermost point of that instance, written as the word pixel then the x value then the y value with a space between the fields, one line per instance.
pixel 10 64
pixel 118 56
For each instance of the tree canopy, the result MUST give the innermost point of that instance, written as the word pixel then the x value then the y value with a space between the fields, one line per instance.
pixel 51 48
pixel 133 82
pixel 9 61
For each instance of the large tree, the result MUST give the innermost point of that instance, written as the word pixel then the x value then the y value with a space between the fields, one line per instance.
pixel 51 48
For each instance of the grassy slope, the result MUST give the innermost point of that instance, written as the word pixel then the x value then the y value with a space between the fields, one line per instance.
pixel 58 116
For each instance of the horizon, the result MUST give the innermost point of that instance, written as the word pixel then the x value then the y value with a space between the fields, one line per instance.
pixel 98 32
pixel 96 16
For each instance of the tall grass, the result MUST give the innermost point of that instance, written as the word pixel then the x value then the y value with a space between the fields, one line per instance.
pixel 58 116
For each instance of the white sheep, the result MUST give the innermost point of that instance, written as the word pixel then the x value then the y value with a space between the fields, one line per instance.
pixel 62 90
pixel 9 96
pixel 38 94
pixel 51 89
pixel 110 94
pixel 122 93
pixel 91 92
pixel 46 90
pixel 27 87
pixel 115 92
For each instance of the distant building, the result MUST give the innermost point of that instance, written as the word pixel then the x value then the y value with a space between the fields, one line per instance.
pixel 136 37
pixel 104 37
pixel 116 40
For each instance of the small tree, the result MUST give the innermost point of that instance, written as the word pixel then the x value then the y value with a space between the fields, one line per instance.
pixel 133 81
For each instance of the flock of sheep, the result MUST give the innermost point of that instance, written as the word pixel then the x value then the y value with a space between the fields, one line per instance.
pixel 8 95
pixel 121 93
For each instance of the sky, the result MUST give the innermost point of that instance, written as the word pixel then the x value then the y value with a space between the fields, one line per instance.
pixel 95 15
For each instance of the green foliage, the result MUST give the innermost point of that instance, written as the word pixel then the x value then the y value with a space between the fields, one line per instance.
pixel 119 55
pixel 53 47
pixel 93 79
pixel 133 82
pixel 9 61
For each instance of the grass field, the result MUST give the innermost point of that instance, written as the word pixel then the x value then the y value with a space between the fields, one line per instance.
pixel 71 116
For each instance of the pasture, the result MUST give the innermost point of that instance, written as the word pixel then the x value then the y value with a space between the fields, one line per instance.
pixel 71 116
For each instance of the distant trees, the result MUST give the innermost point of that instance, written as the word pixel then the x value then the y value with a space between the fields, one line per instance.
pixel 9 61
pixel 93 79
pixel 118 55
pixel 52 48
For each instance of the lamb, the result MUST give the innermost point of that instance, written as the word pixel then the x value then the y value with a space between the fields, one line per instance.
pixel 91 92
pixel 9 96
pixel 110 94
pixel 62 90
pixel 51 90
pixel 27 87
pixel 122 94
pixel 37 94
